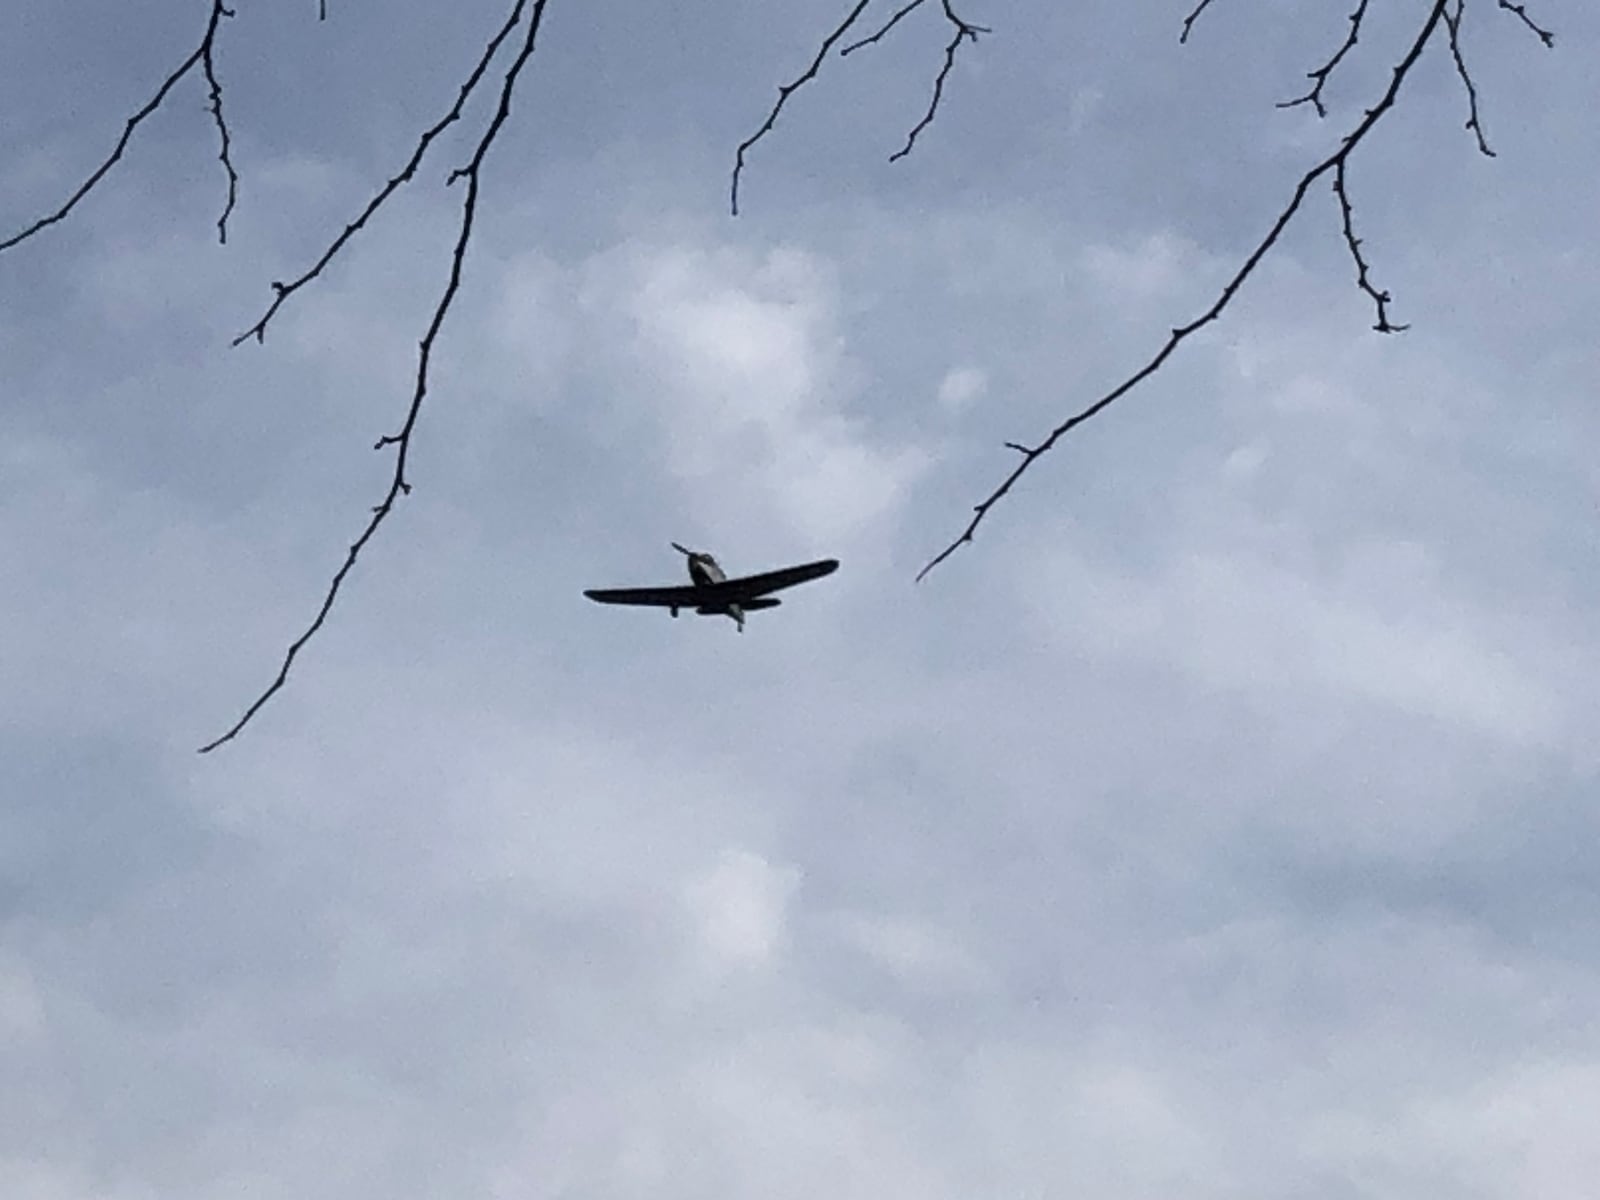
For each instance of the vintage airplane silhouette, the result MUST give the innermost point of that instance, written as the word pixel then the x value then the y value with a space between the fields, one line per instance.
pixel 713 593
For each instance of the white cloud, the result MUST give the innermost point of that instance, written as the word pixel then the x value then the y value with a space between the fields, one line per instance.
pixel 740 908
pixel 1521 1134
pixel 1158 267
pixel 916 952
pixel 745 365
pixel 1245 462
pixel 960 387
pixel 1392 637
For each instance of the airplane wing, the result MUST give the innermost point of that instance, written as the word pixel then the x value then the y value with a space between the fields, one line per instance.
pixel 659 597
pixel 729 591
pixel 747 587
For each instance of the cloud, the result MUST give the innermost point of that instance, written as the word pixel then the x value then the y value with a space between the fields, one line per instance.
pixel 21 1012
pixel 1158 267
pixel 1519 1133
pixel 961 386
pixel 1385 634
pixel 744 363
pixel 739 908
pixel 915 952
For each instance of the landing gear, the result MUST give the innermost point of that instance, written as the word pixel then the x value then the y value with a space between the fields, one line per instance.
pixel 674 610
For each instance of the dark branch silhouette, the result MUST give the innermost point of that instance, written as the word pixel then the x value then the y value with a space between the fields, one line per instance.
pixel 963 31
pixel 899 15
pixel 1188 22
pixel 200 54
pixel 785 90
pixel 214 104
pixel 1380 298
pixel 401 441
pixel 1319 77
pixel 285 290
pixel 1452 22
pixel 1334 162
pixel 1521 11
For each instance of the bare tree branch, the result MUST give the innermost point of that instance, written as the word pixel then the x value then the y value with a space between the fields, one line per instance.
pixel 963 32
pixel 1452 21
pixel 1363 278
pixel 401 441
pixel 1188 22
pixel 786 90
pixel 892 22
pixel 201 53
pixel 285 290
pixel 1521 10
pixel 214 104
pixel 1319 77
pixel 1177 336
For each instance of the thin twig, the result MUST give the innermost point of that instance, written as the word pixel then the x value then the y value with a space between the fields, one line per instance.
pixel 1452 21
pixel 215 105
pixel 284 290
pixel 1380 298
pixel 1188 22
pixel 890 24
pixel 401 441
pixel 1319 77
pixel 202 52
pixel 1521 10
pixel 786 90
pixel 964 31
pixel 1178 335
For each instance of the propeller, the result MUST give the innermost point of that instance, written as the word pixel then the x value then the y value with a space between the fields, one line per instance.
pixel 690 553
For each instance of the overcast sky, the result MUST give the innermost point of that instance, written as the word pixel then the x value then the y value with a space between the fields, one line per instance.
pixel 1220 823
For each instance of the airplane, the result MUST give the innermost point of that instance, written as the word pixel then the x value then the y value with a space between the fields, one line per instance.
pixel 712 593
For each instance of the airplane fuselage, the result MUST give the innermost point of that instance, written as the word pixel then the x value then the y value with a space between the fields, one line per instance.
pixel 705 571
